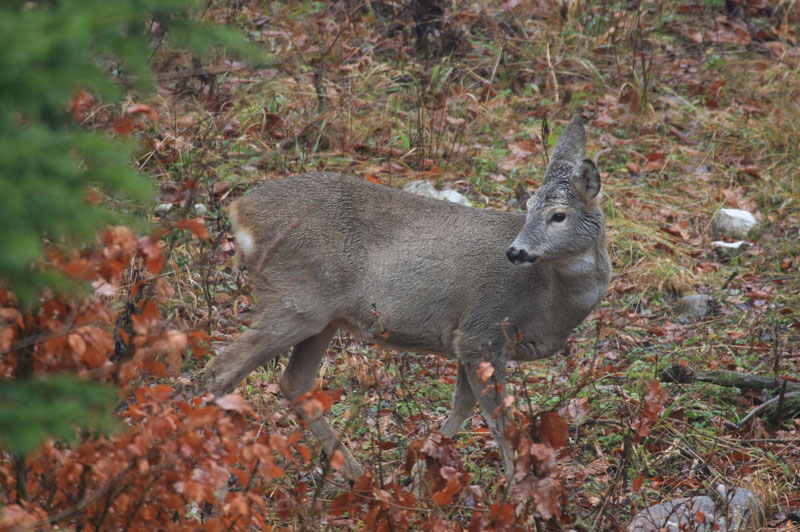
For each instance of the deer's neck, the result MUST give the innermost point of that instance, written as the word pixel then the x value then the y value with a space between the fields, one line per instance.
pixel 582 280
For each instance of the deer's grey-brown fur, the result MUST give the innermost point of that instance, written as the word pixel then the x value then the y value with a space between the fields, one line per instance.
pixel 326 252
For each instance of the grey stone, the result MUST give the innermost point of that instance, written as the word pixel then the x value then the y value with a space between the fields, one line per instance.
pixel 695 305
pixel 729 250
pixel 423 188
pixel 453 196
pixel 733 223
pixel 735 511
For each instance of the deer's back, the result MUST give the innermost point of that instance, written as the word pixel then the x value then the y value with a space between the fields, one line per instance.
pixel 331 219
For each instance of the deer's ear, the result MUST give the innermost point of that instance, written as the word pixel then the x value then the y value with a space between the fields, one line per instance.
pixel 586 182
pixel 571 145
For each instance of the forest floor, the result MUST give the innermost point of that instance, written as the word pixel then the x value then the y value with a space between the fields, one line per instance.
pixel 689 107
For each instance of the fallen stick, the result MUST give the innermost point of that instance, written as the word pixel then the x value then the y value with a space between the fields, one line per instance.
pixel 721 377
pixel 792 398
pixel 790 391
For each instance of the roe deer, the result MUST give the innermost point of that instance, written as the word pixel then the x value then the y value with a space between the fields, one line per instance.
pixel 325 251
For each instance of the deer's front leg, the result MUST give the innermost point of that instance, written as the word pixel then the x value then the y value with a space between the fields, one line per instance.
pixel 463 403
pixel 488 386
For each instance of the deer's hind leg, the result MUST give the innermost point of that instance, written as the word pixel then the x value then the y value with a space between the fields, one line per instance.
pixel 298 379
pixel 269 335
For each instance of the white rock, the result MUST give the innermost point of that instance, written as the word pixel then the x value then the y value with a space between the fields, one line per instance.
pixel 733 223
pixel 739 509
pixel 453 196
pixel 201 209
pixel 728 250
pixel 423 188
pixel 163 207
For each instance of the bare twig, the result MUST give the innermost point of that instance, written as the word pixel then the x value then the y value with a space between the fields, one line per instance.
pixel 763 406
pixel 319 75
pixel 551 74
pixel 34 339
pixel 22 482
pixel 200 71
pixel 730 278
pixel 96 496
pixel 545 136
pixel 494 71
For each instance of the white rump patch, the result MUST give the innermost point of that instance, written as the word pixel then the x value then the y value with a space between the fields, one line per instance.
pixel 244 240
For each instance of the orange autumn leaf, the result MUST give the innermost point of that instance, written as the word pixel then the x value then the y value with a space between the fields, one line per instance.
pixel 337 460
pixel 147 318
pixel 553 430
pixel 485 371
pixel 194 226
pixel 123 126
pixel 236 403
pixel 81 101
pixel 446 495
pixel 140 108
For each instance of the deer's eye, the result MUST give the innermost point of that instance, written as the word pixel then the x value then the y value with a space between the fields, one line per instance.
pixel 558 217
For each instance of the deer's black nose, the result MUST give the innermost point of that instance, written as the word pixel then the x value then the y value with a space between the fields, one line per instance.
pixel 519 256
pixel 512 254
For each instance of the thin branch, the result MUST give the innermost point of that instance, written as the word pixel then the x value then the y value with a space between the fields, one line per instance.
pixel 34 339
pixel 551 74
pixel 83 503
pixel 494 71
pixel 763 406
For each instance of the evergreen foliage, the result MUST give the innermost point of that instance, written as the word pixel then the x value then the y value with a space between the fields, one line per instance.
pixel 33 409
pixel 51 50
